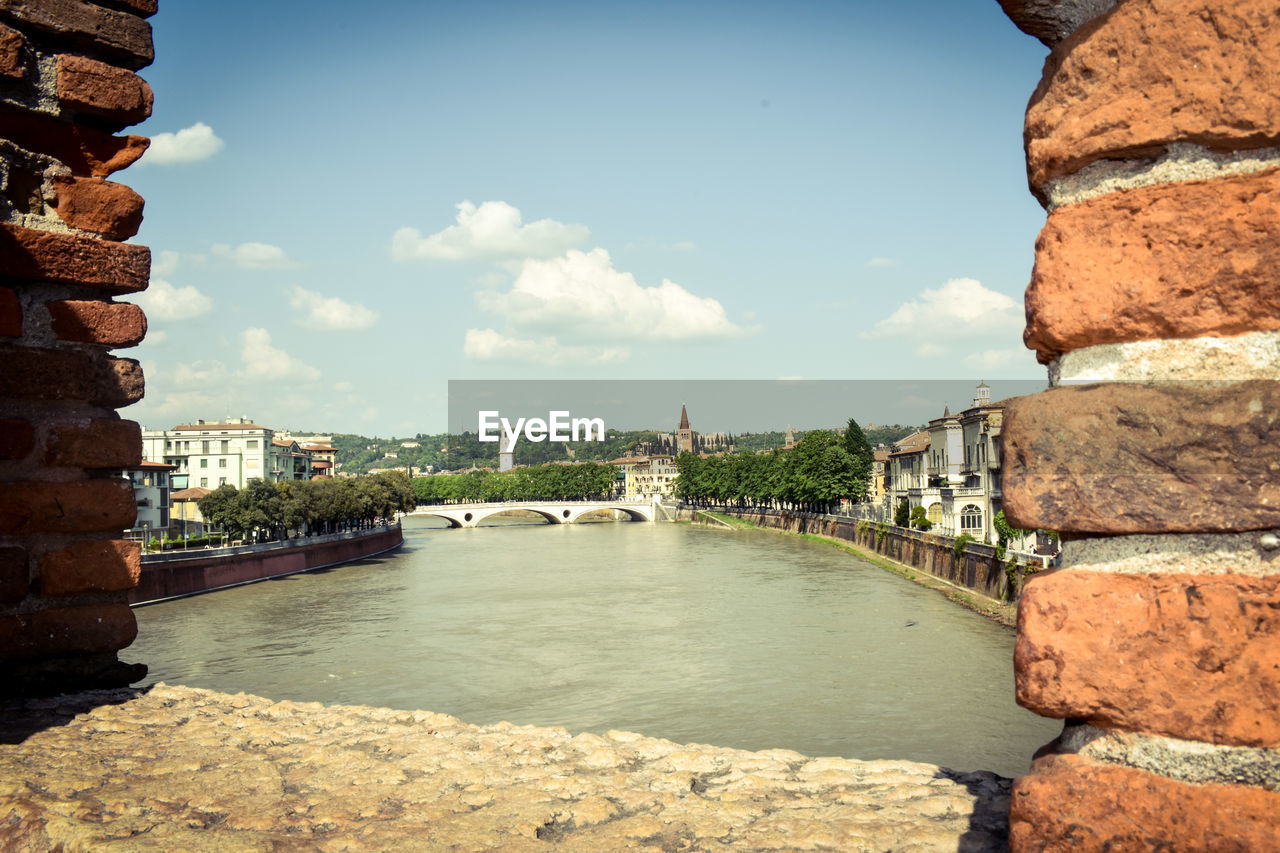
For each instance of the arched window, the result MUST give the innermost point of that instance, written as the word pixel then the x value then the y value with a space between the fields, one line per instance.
pixel 970 518
pixel 934 513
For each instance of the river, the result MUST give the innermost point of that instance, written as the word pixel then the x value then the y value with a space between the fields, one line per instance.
pixel 739 638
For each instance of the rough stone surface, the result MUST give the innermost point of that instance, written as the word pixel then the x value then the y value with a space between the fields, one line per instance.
pixel 102 207
pixel 1252 356
pixel 17 438
pixel 1070 803
pixel 12 64
pixel 120 35
pixel 94 506
pixel 1181 760
pixel 10 314
pixel 104 565
pixel 103 90
pixel 15 580
pixel 1162 458
pixel 1053 20
pixel 1255 554
pixel 180 768
pixel 1130 82
pixel 99 443
pixel 46 374
pixel 1174 261
pixel 81 149
pixel 88 628
pixel 115 324
pixel 68 258
pixel 1193 657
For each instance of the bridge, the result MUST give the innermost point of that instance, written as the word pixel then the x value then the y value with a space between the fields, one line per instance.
pixel 555 512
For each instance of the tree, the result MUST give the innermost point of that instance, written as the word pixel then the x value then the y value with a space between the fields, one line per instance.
pixel 920 519
pixel 902 514
pixel 859 449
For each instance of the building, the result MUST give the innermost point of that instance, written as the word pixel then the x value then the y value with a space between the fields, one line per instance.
pixel 684 433
pixel 646 477
pixel 184 516
pixel 209 454
pixel 151 490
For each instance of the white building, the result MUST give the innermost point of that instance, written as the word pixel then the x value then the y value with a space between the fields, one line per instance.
pixel 209 454
pixel 151 490
pixel 647 477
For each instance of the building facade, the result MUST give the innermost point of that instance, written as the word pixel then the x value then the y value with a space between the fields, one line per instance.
pixel 152 487
pixel 209 454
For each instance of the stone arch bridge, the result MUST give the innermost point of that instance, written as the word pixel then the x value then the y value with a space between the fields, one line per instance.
pixel 555 512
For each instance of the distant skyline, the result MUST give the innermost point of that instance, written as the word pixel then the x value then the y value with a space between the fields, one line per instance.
pixel 349 208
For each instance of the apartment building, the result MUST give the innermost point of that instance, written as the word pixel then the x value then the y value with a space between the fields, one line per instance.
pixel 209 454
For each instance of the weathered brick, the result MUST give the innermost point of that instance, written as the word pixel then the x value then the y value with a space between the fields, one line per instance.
pixel 88 506
pixel 1070 803
pixel 1131 81
pixel 1189 656
pixel 67 630
pixel 1174 261
pixel 145 8
pixel 1174 457
pixel 15 579
pixel 121 36
pixel 44 374
pixel 101 443
pixel 83 150
pixel 45 256
pixel 10 314
pixel 103 207
pixel 108 565
pixel 117 324
pixel 12 45
pixel 88 85
pixel 17 438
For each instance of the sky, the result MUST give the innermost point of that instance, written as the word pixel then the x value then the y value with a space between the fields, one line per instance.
pixel 349 206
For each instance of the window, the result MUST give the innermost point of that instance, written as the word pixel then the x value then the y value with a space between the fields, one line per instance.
pixel 222 463
pixel 204 463
pixel 970 518
pixel 204 447
pixel 222 481
pixel 226 446
pixel 204 482
pixel 253 444
pixel 934 513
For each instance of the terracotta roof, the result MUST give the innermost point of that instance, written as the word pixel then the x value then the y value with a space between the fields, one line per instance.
pixel 194 493
pixel 320 463
pixel 323 448
pixel 152 466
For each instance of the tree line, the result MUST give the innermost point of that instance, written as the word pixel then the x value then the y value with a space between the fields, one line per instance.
pixel 821 469
pixel 583 481
pixel 264 511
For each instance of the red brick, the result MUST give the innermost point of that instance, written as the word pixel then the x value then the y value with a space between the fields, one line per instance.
pixel 1189 656
pixel 117 324
pixel 89 506
pixel 1173 261
pixel 17 438
pixel 83 150
pixel 15 581
pixel 1152 72
pixel 94 204
pixel 88 85
pixel 12 46
pixel 121 36
pixel 67 630
pixel 45 256
pixel 1174 457
pixel 102 443
pixel 10 314
pixel 108 565
pixel 1068 803
pixel 45 374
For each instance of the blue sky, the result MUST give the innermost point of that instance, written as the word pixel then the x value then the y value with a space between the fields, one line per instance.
pixel 349 206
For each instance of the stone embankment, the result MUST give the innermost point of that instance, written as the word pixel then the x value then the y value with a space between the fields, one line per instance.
pixel 177 768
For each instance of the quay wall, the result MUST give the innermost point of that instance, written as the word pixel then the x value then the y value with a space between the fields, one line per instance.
pixel 178 574
pixel 977 568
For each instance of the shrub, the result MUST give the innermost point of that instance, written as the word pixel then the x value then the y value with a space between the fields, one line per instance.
pixel 902 515
pixel 961 541
pixel 919 519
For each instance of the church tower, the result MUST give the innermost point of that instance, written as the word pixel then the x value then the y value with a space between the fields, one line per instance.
pixel 684 435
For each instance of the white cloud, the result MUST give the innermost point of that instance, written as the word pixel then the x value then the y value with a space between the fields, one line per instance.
pixel 263 361
pixel 583 296
pixel 329 313
pixel 188 145
pixel 488 345
pixel 999 359
pixel 253 255
pixel 881 263
pixel 166 303
pixel 157 337
pixel 185 402
pixel 961 310
pixel 164 262
pixel 492 230
pixel 199 372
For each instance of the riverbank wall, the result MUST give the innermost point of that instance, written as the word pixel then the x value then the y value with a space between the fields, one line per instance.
pixel 181 573
pixel 975 566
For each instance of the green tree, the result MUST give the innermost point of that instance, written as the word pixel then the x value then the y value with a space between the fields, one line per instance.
pixel 902 513
pixel 859 449
pixel 920 519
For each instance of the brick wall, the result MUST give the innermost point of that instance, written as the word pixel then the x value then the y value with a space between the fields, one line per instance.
pixel 67 88
pixel 1153 140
